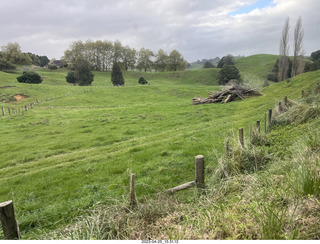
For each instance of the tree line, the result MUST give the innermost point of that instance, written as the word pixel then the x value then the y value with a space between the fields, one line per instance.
pixel 101 55
pixel 11 54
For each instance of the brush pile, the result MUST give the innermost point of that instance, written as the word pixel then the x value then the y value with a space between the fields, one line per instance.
pixel 236 92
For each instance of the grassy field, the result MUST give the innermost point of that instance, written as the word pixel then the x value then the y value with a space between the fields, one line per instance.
pixel 76 151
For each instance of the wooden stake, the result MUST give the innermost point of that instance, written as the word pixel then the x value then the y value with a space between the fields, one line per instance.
pixel 280 107
pixel 241 137
pixel 285 101
pixel 270 117
pixel 199 166
pixel 133 201
pixel 258 126
pixel 265 123
pixel 8 221
pixel 2 111
pixel 227 148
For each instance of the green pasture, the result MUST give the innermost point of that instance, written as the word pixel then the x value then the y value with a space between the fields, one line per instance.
pixel 76 148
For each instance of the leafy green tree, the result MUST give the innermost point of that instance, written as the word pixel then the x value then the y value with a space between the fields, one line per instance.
pixel 6 65
pixel 12 53
pixel 208 65
pixel 116 75
pixel 315 56
pixel 43 60
pixel 70 78
pixel 161 62
pixel 227 73
pixel 226 60
pixel 82 73
pixel 144 59
pixel 176 61
pixel 30 77
pixel 129 57
pixel 34 59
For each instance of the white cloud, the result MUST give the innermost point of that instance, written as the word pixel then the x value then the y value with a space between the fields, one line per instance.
pixel 197 28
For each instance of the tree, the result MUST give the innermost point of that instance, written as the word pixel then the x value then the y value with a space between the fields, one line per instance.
pixel 43 60
pixel 6 65
pixel 283 52
pixel 129 57
pixel 226 60
pixel 30 77
pixel 116 75
pixel 227 73
pixel 144 59
pixel 12 53
pixel 208 65
pixel 298 59
pixel 161 62
pixel 315 56
pixel 176 61
pixel 82 73
pixel 70 78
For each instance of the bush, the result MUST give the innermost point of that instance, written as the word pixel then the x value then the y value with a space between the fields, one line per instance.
pixel 208 65
pixel 30 77
pixel 227 73
pixel 116 75
pixel 6 65
pixel 53 67
pixel 226 60
pixel 70 78
pixel 81 75
pixel 142 81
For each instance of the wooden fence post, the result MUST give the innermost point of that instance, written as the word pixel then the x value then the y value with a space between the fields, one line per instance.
pixel 270 116
pixel 302 93
pixel 285 101
pixel 199 166
pixel 227 148
pixel 265 123
pixel 241 138
pixel 258 126
pixel 2 111
pixel 9 111
pixel 280 107
pixel 133 201
pixel 8 221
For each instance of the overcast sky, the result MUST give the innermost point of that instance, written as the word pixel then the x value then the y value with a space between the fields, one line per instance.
pixel 196 28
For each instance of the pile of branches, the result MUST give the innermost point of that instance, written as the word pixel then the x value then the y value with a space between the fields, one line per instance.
pixel 236 92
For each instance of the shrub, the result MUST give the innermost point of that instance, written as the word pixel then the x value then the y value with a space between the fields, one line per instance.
pixel 6 65
pixel 142 81
pixel 116 75
pixel 30 77
pixel 70 78
pixel 208 65
pixel 53 67
pixel 81 75
pixel 227 73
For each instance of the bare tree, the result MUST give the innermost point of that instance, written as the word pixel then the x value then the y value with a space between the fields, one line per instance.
pixel 298 60
pixel 283 52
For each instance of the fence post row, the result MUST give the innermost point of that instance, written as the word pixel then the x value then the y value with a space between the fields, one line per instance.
pixel 9 224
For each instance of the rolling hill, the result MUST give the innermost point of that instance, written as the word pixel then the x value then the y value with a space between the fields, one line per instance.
pixel 74 150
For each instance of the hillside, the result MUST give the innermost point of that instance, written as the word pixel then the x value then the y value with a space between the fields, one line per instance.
pixel 74 150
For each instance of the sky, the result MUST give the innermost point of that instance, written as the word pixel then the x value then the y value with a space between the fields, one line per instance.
pixel 198 29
